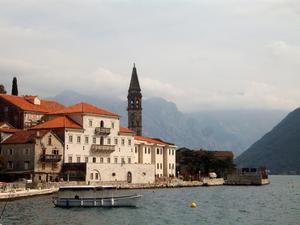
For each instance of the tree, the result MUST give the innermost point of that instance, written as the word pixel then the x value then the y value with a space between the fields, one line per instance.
pixel 207 161
pixel 193 163
pixel 2 89
pixel 14 90
pixel 223 167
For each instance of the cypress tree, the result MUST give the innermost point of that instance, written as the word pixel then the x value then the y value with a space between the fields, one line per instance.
pixel 14 90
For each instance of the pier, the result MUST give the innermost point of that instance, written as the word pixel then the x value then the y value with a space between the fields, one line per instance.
pixel 15 194
pixel 248 176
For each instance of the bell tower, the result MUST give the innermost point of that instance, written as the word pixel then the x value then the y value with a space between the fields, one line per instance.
pixel 134 104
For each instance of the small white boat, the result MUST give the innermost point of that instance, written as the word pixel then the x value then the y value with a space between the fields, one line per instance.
pixel 95 196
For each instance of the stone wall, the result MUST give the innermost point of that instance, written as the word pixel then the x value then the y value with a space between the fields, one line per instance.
pixel 245 179
pixel 18 154
pixel 140 173
pixel 212 181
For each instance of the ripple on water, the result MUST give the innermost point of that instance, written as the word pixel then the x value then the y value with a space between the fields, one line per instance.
pixel 270 204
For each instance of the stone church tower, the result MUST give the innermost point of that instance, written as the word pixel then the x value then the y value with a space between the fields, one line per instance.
pixel 134 104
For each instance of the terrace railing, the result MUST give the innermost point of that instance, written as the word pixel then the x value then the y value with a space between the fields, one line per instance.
pixel 50 158
pixel 102 131
pixel 97 149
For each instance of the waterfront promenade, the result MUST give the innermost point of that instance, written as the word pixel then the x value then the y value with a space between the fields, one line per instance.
pixel 49 188
pixel 15 192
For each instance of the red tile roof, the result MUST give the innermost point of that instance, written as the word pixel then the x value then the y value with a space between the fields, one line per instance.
pixel 9 130
pixel 24 136
pixel 150 140
pixel 126 130
pixel 5 125
pixel 26 103
pixel 85 108
pixel 168 143
pixel 30 98
pixel 58 122
pixel 218 154
pixel 223 154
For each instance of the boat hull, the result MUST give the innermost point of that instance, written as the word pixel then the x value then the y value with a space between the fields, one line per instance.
pixel 121 201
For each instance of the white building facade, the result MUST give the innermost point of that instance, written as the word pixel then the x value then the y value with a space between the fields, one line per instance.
pixel 93 136
pixel 158 153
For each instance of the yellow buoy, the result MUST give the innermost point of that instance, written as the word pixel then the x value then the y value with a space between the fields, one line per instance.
pixel 193 205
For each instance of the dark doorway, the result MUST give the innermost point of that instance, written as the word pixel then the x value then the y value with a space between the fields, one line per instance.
pixel 129 177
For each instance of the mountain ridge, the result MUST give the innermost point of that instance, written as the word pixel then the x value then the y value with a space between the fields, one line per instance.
pixel 215 130
pixel 278 150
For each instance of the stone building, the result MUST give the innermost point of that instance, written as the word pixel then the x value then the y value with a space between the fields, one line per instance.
pixel 93 136
pixel 97 146
pixel 32 154
pixel 25 111
pixel 156 152
pixel 87 142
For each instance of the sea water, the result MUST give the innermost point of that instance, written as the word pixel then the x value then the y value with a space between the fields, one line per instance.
pixel 277 203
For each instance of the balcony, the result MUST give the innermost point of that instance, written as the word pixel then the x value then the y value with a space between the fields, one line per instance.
pixel 102 131
pixel 50 158
pixel 96 149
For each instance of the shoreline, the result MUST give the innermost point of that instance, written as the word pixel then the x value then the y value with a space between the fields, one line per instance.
pixel 24 193
pixel 18 194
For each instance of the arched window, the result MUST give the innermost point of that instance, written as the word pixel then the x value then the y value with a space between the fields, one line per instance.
pixel 101 123
pixel 49 140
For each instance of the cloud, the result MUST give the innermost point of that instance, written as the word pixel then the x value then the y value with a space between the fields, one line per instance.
pixel 198 54
pixel 108 82
pixel 284 51
pixel 279 48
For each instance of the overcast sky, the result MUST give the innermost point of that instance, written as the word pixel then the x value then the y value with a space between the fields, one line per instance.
pixel 213 54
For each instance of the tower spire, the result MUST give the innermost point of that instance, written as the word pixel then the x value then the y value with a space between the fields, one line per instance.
pixel 134 103
pixel 134 82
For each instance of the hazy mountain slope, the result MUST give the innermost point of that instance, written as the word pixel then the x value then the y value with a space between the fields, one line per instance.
pixel 162 119
pixel 236 129
pixel 222 129
pixel 278 150
pixel 71 97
